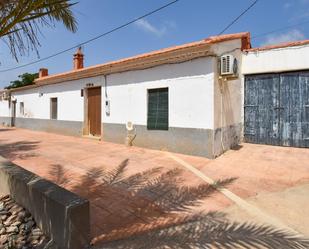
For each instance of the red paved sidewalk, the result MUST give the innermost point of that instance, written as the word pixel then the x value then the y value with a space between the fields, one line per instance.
pixel 134 189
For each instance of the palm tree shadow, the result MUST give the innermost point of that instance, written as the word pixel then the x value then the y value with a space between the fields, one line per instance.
pixel 152 209
pixel 212 230
pixel 58 174
pixel 19 150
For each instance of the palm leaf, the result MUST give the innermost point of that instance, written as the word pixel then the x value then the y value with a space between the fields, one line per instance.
pixel 21 22
pixel 213 231
pixel 115 176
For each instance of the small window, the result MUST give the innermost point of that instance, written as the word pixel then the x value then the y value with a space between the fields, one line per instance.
pixel 53 108
pixel 157 118
pixel 21 108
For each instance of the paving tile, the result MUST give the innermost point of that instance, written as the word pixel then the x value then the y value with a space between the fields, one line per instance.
pixel 133 202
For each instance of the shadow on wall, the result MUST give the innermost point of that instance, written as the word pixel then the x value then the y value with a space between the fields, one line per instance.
pixel 18 150
pixel 66 87
pixel 152 209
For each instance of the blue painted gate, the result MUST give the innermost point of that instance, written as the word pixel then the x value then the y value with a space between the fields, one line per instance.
pixel 277 109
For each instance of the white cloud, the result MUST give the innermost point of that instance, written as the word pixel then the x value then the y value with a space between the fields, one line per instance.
pixel 292 35
pixel 287 5
pixel 300 12
pixel 301 16
pixel 150 28
pixel 304 1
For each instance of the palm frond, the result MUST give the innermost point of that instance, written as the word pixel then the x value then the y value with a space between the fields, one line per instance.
pixel 210 231
pixel 21 22
pixel 185 197
pixel 161 184
pixel 152 194
pixel 116 175
pixel 57 172
pixel 138 180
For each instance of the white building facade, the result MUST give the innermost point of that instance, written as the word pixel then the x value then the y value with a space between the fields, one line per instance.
pixel 175 98
pixel 276 94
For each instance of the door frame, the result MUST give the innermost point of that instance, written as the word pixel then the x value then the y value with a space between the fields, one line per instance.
pixel 13 112
pixel 86 126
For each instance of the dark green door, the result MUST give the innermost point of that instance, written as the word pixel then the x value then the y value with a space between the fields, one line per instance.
pixel 277 109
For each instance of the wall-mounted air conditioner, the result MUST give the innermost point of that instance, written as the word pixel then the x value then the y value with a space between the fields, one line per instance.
pixel 228 65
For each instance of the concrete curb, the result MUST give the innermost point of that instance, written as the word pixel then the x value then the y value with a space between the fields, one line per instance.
pixel 61 215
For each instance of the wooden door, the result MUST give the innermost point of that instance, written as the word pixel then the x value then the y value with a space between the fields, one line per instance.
pixel 94 111
pixel 294 100
pixel 277 109
pixel 261 115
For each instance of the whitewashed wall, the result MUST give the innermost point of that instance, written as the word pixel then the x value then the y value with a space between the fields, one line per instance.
pixel 190 96
pixel 4 109
pixel 70 102
pixel 190 87
pixel 191 99
pixel 228 93
pixel 276 60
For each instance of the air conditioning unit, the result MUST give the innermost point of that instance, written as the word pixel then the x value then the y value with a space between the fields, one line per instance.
pixel 228 65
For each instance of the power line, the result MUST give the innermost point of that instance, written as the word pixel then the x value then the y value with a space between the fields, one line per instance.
pixel 94 38
pixel 238 17
pixel 278 30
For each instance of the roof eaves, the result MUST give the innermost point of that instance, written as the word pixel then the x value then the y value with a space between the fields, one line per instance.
pixel 139 59
pixel 281 45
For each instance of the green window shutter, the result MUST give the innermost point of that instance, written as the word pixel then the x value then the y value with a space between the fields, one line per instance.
pixel 157 109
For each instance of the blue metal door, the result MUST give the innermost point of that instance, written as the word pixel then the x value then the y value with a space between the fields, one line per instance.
pixel 277 109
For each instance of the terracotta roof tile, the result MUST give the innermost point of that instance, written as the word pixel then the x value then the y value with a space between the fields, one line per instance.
pixel 281 45
pixel 57 78
pixel 210 40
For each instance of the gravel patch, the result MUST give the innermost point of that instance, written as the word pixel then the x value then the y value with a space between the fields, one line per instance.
pixel 18 229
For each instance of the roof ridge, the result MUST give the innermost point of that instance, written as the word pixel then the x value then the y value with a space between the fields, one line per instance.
pixel 279 45
pixel 56 78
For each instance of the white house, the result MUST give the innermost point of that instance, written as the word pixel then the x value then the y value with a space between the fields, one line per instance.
pixel 276 94
pixel 190 99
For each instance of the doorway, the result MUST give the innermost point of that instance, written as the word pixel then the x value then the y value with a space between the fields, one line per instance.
pixel 277 109
pixel 94 111
pixel 13 116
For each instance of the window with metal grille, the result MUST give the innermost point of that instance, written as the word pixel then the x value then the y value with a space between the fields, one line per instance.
pixel 53 108
pixel 21 108
pixel 157 118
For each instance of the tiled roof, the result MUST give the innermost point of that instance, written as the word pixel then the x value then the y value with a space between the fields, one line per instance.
pixel 281 45
pixel 145 60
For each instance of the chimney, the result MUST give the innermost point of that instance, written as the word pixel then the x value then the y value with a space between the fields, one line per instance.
pixel 43 72
pixel 78 59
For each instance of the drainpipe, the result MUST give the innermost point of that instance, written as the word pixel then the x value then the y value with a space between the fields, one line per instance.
pixel 106 102
pixel 105 86
pixel 221 82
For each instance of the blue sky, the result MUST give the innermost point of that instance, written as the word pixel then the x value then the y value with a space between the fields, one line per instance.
pixel 185 21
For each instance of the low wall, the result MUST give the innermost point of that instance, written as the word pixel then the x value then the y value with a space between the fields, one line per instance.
pixel 61 215
pixel 63 127
pixel 71 128
pixel 5 121
pixel 196 142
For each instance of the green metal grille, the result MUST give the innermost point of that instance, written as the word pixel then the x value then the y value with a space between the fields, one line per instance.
pixel 157 109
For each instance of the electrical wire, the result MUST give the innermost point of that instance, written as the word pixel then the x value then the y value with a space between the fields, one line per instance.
pixel 278 30
pixel 94 38
pixel 238 17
